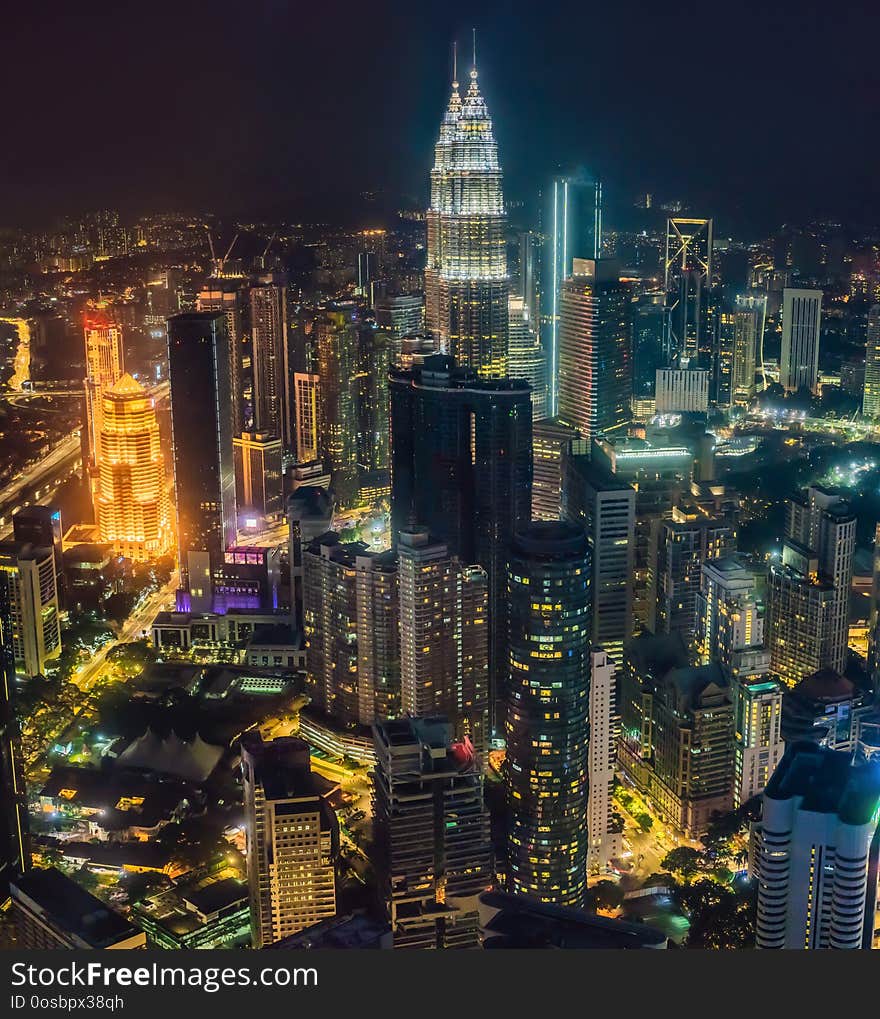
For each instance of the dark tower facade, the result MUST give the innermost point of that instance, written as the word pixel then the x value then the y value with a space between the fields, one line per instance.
pixel 201 422
pixel 461 466
pixel 547 713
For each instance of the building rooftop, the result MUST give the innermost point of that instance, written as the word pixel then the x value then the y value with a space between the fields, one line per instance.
pixel 72 909
pixel 827 783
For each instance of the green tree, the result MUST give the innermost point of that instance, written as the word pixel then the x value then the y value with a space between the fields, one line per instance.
pixel 605 895
pixel 684 861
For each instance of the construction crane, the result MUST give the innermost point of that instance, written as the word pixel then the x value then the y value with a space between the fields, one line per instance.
pixel 218 264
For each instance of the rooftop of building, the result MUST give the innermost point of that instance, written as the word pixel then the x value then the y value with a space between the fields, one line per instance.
pixel 826 782
pixel 72 908
pixel 275 635
pixel 283 767
pixel 656 653
pixel 825 686
pixel 597 474
pixel 550 539
pixel 521 922
pixel 440 371
pixel 356 930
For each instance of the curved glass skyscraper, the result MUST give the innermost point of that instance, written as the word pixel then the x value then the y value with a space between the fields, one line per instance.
pixel 466 283
pixel 547 708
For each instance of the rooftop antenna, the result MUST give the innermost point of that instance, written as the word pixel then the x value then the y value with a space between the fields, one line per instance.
pixel 454 63
pixel 475 47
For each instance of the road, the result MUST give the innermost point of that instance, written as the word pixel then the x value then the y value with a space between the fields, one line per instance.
pixel 132 629
pixel 56 461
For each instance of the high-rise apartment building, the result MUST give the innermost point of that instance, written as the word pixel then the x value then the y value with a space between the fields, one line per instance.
pixel 604 842
pixel 730 610
pixel 682 390
pixel 14 840
pixel 757 709
pixel 808 589
pixel 871 398
pixel 444 636
pixel 431 826
pixel 466 283
pixel 801 323
pixel 204 472
pixel 749 317
pixel 399 316
pixel 41 526
pixel 271 372
pixel 547 701
pixel 258 478
pixel 337 346
pixel 33 605
pixel 292 838
pixel 595 499
pixel 594 355
pixel 228 296
pixel 816 852
pixel 132 506
pixel 462 468
pixel 688 284
pixel 551 443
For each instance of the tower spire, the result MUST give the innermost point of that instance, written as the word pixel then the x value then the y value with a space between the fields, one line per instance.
pixel 474 31
pixel 455 63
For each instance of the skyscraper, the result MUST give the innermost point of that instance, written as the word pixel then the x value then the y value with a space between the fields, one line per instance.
pixel 871 400
pixel 551 443
pixel 433 852
pixel 444 636
pixel 757 709
pixel 594 355
pixel 817 852
pixel 292 838
pixel 605 506
pixel 399 316
pixel 575 224
pixel 132 506
pixel 526 356
pixel 268 317
pixel 14 842
pixel 730 611
pixel 204 474
pixel 688 282
pixel 337 342
pixel 466 283
pixel 227 295
pixel 808 589
pixel 29 572
pixel 307 414
pixel 462 467
pixel 547 702
pixel 801 322
pixel 104 367
pixel 749 315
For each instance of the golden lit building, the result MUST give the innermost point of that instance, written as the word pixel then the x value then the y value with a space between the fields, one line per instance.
pixel 104 367
pixel 132 501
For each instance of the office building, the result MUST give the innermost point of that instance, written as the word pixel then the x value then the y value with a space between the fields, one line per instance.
pixel 682 390
pixel 871 399
pixel 104 367
pixel 14 839
pixel 132 506
pixel 687 283
pixel 808 588
pixel 605 843
pixel 594 355
pixel 551 443
pixel 271 372
pixel 749 317
pixel 196 914
pixel 801 324
pixel 575 227
pixel 757 709
pixel 525 355
pixel 33 603
pixel 50 910
pixel 292 838
pixel 399 316
pixel 204 472
pixel 307 417
pixel 444 636
pixel 337 340
pixel 378 630
pixel 816 852
pixel 546 730
pixel 228 296
pixel 605 507
pixel 462 468
pixel 431 833
pixel 41 526
pixel 730 610
pixel 466 284
pixel 677 731
pixel 648 328
pixel 258 479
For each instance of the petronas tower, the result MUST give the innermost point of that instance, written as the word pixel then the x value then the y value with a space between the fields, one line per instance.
pixel 466 283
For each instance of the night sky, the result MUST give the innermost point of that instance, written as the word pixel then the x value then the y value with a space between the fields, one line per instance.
pixel 757 113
